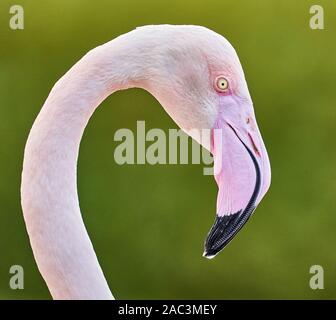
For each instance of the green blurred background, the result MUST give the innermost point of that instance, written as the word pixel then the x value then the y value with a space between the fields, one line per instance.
pixel 148 223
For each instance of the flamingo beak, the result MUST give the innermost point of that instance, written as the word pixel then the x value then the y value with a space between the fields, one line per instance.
pixel 242 172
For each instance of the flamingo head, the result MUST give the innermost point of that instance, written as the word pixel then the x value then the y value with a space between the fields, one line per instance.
pixel 200 82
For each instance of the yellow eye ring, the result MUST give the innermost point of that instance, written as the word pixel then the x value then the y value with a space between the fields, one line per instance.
pixel 222 84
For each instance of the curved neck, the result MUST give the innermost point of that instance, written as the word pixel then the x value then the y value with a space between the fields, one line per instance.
pixel 61 245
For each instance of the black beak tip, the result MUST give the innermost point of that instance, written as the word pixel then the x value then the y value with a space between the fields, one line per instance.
pixel 209 255
pixel 223 231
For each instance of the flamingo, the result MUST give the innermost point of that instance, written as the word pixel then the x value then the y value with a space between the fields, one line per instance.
pixel 197 77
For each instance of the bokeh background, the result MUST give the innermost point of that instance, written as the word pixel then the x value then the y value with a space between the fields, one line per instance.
pixel 148 223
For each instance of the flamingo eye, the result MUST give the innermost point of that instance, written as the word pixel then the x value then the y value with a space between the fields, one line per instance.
pixel 222 84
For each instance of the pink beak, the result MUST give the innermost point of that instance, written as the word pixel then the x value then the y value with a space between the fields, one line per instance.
pixel 242 172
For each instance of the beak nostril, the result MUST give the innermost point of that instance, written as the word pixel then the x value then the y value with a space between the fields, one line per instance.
pixel 256 150
pixel 247 120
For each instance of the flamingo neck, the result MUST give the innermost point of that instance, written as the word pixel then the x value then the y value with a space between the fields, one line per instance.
pixel 60 242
